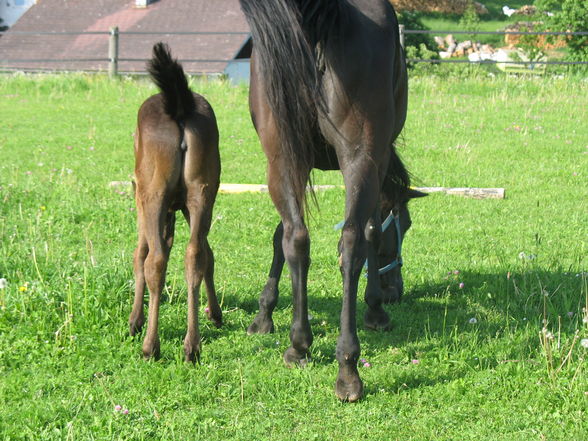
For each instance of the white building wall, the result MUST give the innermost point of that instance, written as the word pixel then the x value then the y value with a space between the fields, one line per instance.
pixel 11 10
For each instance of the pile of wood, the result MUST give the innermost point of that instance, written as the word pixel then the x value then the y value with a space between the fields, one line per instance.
pixel 513 40
pixel 449 48
pixel 443 6
pixel 526 10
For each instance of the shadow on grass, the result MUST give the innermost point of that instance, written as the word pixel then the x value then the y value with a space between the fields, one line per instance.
pixel 425 309
pixel 487 307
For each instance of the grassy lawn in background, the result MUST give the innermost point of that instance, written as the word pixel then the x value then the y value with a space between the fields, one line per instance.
pixel 486 345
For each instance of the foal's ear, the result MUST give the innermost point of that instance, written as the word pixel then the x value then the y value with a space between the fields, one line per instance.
pixel 412 194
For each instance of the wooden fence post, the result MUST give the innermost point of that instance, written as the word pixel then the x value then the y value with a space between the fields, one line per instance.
pixel 113 52
pixel 401 33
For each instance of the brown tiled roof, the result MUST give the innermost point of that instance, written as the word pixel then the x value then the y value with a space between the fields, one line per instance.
pixel 222 16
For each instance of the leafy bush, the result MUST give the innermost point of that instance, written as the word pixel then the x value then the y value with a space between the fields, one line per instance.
pixel 568 15
pixel 421 53
pixel 412 21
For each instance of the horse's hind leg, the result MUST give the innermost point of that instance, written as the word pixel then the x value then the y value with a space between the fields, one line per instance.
pixel 296 249
pixel 263 322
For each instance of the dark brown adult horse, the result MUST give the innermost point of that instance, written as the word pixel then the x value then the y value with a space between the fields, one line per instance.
pixel 177 167
pixel 329 91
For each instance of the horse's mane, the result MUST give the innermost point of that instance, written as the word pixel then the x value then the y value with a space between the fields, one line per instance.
pixel 286 34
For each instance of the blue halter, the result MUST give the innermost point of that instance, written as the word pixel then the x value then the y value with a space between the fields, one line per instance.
pixel 398 261
pixel 387 222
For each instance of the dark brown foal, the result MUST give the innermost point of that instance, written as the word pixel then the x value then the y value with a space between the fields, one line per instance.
pixel 177 167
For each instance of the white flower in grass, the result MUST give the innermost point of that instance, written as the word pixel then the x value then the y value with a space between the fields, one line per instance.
pixel 3 283
pixel 473 321
pixel 584 343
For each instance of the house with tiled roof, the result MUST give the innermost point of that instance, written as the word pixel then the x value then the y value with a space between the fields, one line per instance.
pixel 205 35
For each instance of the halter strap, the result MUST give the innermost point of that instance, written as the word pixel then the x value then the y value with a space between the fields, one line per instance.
pixel 398 261
pixel 387 222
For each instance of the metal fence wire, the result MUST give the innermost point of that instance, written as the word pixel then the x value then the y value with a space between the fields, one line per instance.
pixel 114 36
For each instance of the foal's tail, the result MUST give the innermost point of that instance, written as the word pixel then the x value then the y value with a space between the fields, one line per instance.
pixel 287 72
pixel 168 75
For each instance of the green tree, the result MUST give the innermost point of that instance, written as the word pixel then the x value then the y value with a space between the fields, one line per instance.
pixel 470 20
pixel 568 15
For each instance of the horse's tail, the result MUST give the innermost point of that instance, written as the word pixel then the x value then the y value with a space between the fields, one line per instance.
pixel 168 75
pixel 287 71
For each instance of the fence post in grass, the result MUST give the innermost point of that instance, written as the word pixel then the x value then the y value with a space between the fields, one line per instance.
pixel 401 33
pixel 113 52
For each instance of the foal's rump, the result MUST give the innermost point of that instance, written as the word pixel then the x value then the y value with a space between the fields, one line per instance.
pixel 177 127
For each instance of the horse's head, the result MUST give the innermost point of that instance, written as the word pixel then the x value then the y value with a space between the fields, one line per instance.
pixel 390 253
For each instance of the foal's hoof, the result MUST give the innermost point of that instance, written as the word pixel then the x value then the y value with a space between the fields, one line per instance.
pixel 191 355
pixel 192 350
pixel 294 357
pixel 261 325
pixel 216 317
pixel 349 386
pixel 377 320
pixel 135 326
pixel 151 350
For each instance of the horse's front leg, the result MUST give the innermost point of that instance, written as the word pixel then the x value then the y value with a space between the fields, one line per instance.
pixel 263 322
pixel 375 317
pixel 362 189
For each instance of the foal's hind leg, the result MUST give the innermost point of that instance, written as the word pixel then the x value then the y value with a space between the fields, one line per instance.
pixel 263 322
pixel 214 312
pixel 137 317
pixel 159 231
pixel 198 263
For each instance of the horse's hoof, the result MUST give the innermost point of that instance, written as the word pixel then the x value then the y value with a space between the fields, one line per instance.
pixel 377 320
pixel 294 357
pixel 261 325
pixel 349 387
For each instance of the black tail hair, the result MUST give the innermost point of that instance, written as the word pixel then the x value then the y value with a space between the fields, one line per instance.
pixel 168 75
pixel 286 63
pixel 397 179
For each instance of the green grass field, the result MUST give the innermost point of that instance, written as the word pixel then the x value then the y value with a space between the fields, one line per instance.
pixel 500 358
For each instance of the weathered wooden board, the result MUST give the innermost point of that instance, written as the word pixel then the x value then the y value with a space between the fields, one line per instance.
pixel 472 192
